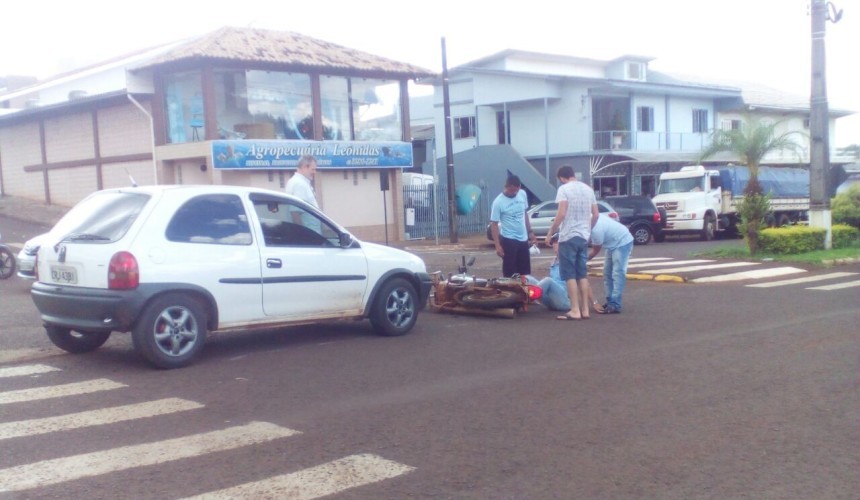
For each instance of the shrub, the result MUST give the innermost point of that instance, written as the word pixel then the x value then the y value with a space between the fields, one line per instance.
pixel 845 236
pixel 845 207
pixel 753 209
pixel 791 240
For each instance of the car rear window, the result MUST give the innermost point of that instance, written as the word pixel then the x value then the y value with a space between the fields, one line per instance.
pixel 102 217
pixel 216 218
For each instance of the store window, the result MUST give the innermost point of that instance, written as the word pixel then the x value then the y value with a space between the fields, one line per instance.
pixel 334 97
pixel 184 103
pixel 375 109
pixel 610 186
pixel 263 105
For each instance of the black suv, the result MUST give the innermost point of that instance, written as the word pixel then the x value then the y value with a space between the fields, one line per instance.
pixel 641 216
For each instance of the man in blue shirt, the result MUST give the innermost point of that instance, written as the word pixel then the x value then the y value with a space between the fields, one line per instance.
pixel 616 240
pixel 511 229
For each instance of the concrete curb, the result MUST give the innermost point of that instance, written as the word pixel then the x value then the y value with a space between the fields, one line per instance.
pixel 665 278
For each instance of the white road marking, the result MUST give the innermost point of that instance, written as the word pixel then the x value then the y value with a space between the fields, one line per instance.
pixel 806 279
pixel 315 482
pixel 673 263
pixel 699 268
pixel 749 275
pixel 838 286
pixel 58 391
pixel 23 371
pixel 59 470
pixel 101 416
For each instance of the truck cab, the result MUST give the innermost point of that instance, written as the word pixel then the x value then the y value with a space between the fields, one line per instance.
pixel 692 198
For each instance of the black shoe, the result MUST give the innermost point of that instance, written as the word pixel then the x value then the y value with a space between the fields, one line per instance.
pixel 610 309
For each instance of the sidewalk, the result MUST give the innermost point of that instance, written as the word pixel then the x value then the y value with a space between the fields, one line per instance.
pixel 27 210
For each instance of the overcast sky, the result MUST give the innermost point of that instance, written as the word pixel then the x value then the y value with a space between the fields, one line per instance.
pixel 762 41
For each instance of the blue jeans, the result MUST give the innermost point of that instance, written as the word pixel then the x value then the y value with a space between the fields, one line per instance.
pixel 554 295
pixel 615 273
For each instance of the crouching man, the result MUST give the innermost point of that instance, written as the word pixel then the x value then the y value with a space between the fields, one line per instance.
pixel 617 242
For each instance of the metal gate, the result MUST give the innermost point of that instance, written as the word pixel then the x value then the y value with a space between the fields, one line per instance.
pixel 427 213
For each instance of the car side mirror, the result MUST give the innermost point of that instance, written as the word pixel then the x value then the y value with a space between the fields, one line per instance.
pixel 346 240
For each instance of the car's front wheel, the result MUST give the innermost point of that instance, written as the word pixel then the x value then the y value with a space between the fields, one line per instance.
pixel 170 331
pixel 76 342
pixel 395 309
pixel 641 234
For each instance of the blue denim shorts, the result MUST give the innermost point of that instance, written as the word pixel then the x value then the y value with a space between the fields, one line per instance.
pixel 573 259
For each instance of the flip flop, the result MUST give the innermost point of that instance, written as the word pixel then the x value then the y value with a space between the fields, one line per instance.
pixel 567 317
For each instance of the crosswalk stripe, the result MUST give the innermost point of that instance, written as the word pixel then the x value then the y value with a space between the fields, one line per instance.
pixel 838 286
pixel 58 391
pixel 748 275
pixel 23 371
pixel 699 268
pixel 796 281
pixel 59 470
pixel 673 263
pixel 95 417
pixel 648 259
pixel 316 482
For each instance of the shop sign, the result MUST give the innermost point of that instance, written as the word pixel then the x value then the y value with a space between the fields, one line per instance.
pixel 281 154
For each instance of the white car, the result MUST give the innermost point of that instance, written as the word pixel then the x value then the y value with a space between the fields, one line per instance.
pixel 171 263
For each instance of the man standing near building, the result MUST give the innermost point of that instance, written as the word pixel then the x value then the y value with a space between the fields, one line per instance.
pixel 577 213
pixel 617 242
pixel 300 185
pixel 511 229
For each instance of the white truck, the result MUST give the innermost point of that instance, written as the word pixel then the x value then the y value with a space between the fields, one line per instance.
pixel 703 201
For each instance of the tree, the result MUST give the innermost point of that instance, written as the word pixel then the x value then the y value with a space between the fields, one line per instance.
pixel 754 140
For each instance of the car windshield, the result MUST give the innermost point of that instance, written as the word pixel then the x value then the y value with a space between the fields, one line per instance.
pixel 104 216
pixel 681 185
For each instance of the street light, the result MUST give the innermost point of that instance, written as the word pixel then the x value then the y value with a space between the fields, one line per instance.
pixel 819 164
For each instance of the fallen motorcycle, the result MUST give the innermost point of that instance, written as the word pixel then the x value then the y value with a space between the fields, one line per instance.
pixel 7 262
pixel 463 293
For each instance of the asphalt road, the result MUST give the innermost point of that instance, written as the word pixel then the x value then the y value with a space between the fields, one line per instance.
pixel 695 391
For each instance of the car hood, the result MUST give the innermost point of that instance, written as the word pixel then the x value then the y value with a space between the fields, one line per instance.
pixel 384 256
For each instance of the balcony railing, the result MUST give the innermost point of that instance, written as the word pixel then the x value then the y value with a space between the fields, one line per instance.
pixel 649 141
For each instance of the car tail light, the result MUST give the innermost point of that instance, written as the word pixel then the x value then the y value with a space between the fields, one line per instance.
pixel 123 273
pixel 534 291
pixel 656 217
pixel 613 215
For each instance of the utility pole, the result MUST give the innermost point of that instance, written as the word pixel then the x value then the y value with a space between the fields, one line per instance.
pixel 449 150
pixel 819 166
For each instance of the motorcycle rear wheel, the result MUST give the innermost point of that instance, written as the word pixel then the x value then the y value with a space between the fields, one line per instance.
pixel 488 299
pixel 7 263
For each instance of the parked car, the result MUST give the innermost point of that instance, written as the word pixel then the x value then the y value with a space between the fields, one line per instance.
pixel 641 216
pixel 27 257
pixel 171 263
pixel 542 215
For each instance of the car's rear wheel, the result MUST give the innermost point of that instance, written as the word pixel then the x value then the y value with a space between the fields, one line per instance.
pixel 76 342
pixel 170 331
pixel 395 309
pixel 641 234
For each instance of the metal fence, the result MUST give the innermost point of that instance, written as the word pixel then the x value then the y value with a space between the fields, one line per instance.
pixel 427 212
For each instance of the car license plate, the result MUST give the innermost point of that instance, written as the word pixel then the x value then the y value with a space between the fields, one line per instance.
pixel 64 274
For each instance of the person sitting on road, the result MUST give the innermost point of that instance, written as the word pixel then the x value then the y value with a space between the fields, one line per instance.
pixel 554 290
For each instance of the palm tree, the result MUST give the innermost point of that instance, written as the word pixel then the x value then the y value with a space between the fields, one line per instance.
pixel 754 140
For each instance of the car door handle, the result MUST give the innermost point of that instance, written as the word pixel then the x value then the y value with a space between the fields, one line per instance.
pixel 273 263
